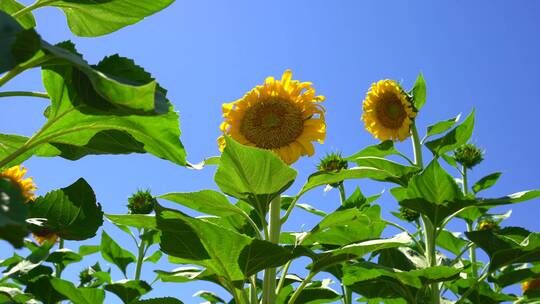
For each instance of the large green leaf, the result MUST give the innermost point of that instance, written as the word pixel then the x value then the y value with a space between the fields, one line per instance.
pixel 251 174
pixel 382 149
pixel 95 18
pixel 71 212
pixel 372 280
pixel 64 257
pixel 78 295
pixel 9 143
pixel 209 296
pixel 74 126
pixel 113 253
pixel 396 173
pixel 326 178
pixel 507 246
pixel 453 139
pixel 164 300
pixel 482 293
pixel 433 192
pixel 11 7
pixel 13 213
pixel 451 241
pixel 513 198
pixel 230 255
pixel 511 275
pixel 205 201
pixel 347 226
pixel 356 250
pixel 16 44
pixel 133 220
pixel 129 290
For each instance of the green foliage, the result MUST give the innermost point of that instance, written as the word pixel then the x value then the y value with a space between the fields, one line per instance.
pixel 72 212
pixel 117 107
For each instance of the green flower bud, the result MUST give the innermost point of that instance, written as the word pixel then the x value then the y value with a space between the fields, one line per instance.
pixel 332 162
pixel 86 275
pixel 409 214
pixel 469 155
pixel 142 202
pixel 487 224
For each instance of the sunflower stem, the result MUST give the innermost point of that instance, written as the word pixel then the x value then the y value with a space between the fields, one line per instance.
pixel 472 249
pixel 347 293
pixel 298 291
pixel 269 288
pixel 57 266
pixel 417 147
pixel 140 257
pixel 24 93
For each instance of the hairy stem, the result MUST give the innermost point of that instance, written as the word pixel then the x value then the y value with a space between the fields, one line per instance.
pixel 57 266
pixel 417 147
pixel 140 257
pixel 269 288
pixel 298 291
pixel 24 93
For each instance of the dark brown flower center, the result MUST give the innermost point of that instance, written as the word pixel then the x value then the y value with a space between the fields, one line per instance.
pixel 390 111
pixel 272 123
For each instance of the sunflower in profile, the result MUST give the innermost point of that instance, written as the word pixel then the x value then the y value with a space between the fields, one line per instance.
pixel 284 116
pixel 388 111
pixel 16 176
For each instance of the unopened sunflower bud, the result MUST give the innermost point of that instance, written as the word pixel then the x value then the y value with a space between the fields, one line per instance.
pixel 409 214
pixel 332 162
pixel 487 224
pixel 142 202
pixel 468 155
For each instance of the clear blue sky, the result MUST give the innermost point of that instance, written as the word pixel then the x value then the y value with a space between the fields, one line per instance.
pixel 481 54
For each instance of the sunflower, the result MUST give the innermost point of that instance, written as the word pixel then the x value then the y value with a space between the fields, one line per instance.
pixel 16 176
pixel 529 285
pixel 45 235
pixel 388 111
pixel 283 116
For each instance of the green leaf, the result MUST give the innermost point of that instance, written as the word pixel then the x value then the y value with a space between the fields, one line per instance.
pixel 95 18
pixel 251 174
pixel 164 300
pixel 129 290
pixel 372 280
pixel 442 126
pixel 209 296
pixel 402 258
pixel 433 192
pixel 419 92
pixel 382 149
pixel 226 253
pixel 357 250
pixel 9 143
pixel 71 212
pixel 13 213
pixel 181 275
pixel 486 182
pixel 33 260
pixel 396 173
pixel 205 201
pixel 113 253
pixel 85 250
pixel 453 139
pixel 80 295
pixel 64 257
pixel 154 258
pixel 318 295
pixel 142 221
pixel 347 226
pixel 451 241
pixel 41 287
pixel 513 198
pixel 482 294
pixel 507 246
pixel 11 7
pixel 512 275
pixel 14 295
pixel 14 42
pixel 326 178
pixel 72 124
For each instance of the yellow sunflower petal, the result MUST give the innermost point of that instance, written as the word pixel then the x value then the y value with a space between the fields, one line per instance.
pixel 281 115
